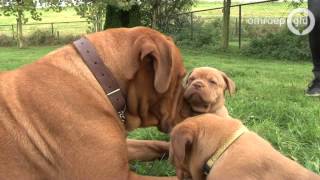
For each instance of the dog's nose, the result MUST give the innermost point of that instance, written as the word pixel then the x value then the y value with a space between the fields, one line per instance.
pixel 197 85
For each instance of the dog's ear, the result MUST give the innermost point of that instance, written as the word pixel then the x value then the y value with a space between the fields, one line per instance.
pixel 181 144
pixel 186 79
pixel 230 85
pixel 159 54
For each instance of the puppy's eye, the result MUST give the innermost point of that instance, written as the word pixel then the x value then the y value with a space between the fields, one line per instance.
pixel 212 82
pixel 191 79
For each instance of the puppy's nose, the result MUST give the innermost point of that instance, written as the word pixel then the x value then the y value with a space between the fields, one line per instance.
pixel 197 85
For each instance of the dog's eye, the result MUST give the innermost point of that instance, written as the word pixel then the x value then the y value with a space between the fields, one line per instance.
pixel 212 82
pixel 191 79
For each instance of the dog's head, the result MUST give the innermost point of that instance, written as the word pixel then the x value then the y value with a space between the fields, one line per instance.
pixel 194 141
pixel 206 87
pixel 155 80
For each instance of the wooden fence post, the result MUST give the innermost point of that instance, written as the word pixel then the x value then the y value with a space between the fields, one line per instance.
pixel 58 35
pixel 240 19
pixel 52 30
pixel 236 27
pixel 12 28
pixel 191 25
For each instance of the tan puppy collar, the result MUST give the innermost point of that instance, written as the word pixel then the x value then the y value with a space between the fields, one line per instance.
pixel 214 158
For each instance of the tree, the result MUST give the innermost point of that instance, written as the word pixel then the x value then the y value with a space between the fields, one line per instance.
pixel 123 16
pixel 20 9
pixel 226 23
pixel 93 12
pixel 115 13
pixel 129 13
pixel 159 13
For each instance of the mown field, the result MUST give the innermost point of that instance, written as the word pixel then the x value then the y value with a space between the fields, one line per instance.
pixel 270 9
pixel 274 9
pixel 269 100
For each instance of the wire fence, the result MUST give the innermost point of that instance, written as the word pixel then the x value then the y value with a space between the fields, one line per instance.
pixel 248 20
pixel 56 29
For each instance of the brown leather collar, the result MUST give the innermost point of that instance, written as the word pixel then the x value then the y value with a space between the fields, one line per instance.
pixel 102 74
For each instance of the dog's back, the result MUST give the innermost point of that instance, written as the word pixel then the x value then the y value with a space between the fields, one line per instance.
pixel 197 139
pixel 20 156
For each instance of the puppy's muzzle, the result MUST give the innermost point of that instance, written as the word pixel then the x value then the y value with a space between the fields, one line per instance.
pixel 198 85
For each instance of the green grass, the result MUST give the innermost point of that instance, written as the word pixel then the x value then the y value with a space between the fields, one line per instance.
pixel 274 9
pixel 269 100
pixel 11 57
pixel 68 14
pixel 270 9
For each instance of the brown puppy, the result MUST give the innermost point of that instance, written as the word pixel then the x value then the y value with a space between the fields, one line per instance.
pixel 197 139
pixel 205 89
pixel 57 123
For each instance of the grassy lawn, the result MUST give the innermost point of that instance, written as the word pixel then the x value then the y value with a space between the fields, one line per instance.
pixel 274 9
pixel 271 9
pixel 269 100
pixel 69 14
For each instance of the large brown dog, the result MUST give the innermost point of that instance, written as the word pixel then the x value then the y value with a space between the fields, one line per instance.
pixel 250 157
pixel 57 123
pixel 205 89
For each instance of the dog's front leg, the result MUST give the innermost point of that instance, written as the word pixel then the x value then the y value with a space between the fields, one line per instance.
pixel 146 150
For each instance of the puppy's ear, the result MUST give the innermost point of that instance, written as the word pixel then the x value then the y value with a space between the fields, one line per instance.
pixel 186 79
pixel 181 144
pixel 159 54
pixel 230 85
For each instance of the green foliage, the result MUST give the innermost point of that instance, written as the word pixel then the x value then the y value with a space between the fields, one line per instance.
pixel 6 40
pixel 251 31
pixel 154 13
pixel 205 33
pixel 95 11
pixel 39 37
pixel 45 38
pixel 283 45
pixel 296 3
pixel 26 7
pixel 161 14
pixel 117 17
pixel 19 10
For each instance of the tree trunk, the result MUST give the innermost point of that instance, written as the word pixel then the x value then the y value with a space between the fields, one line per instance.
pixel 116 17
pixel 226 23
pixel 155 14
pixel 19 29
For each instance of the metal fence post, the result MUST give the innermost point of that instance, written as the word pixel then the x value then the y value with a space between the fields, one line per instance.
pixel 240 20
pixel 191 25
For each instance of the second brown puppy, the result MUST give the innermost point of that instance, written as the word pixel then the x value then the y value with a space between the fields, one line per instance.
pixel 225 150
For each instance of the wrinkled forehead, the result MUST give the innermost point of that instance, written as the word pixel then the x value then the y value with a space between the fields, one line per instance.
pixel 206 73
